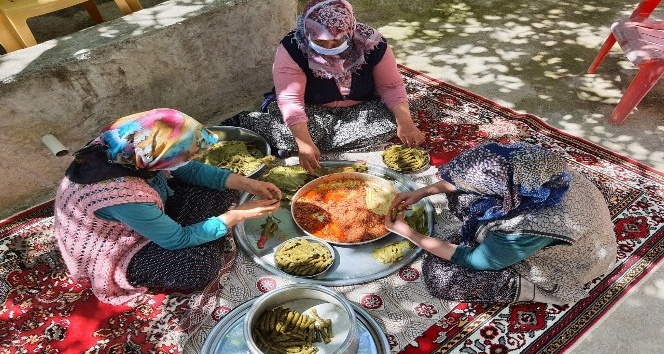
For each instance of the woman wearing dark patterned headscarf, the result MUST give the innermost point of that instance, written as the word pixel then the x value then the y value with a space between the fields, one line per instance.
pixel 533 228
pixel 337 88
pixel 122 226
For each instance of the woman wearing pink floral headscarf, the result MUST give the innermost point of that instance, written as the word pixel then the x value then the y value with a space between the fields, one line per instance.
pixel 135 212
pixel 337 88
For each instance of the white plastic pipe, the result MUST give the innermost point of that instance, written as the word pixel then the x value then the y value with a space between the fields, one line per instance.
pixel 53 144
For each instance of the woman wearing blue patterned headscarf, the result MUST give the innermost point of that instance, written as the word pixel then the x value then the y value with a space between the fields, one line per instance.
pixel 533 229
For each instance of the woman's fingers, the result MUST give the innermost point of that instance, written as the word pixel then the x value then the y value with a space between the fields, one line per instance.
pixel 270 203
pixel 398 199
pixel 307 166
pixel 309 157
pixel 270 192
pixel 316 164
pixel 275 191
pixel 311 164
pixel 261 204
pixel 414 141
pixel 275 205
pixel 265 190
pixel 413 138
pixel 399 225
pixel 261 207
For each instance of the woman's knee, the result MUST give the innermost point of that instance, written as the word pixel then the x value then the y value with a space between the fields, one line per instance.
pixel 449 281
pixel 202 278
pixel 436 274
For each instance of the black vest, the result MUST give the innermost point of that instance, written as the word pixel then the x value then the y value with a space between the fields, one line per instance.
pixel 319 90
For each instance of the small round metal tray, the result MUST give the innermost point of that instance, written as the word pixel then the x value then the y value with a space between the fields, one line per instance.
pixel 302 298
pixel 227 336
pixel 344 270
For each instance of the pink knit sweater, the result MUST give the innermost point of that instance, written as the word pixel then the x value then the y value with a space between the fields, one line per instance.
pixel 98 249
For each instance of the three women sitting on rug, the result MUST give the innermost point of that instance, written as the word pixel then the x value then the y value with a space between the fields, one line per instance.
pixel 337 88
pixel 122 223
pixel 533 228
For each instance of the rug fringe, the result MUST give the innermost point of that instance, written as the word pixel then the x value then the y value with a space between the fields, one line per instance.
pixel 18 215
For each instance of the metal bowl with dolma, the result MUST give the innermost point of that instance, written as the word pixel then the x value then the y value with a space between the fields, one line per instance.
pixel 301 318
pixel 304 256
pixel 257 148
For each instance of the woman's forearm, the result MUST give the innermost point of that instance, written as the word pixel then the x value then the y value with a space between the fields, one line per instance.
pixel 401 113
pixel 301 134
pixel 437 188
pixel 237 182
pixel 440 248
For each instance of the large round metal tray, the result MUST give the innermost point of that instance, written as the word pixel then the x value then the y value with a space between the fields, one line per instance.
pixel 227 336
pixel 334 177
pixel 345 269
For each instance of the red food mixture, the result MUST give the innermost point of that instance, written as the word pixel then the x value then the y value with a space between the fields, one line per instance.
pixel 339 214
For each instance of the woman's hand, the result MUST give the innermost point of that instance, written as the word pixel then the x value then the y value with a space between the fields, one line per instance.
pixel 404 199
pixel 395 217
pixel 265 190
pixel 249 210
pixel 437 247
pixel 409 134
pixel 399 225
pixel 307 151
pixel 309 157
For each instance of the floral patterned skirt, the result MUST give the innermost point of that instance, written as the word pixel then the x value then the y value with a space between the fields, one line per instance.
pixel 450 281
pixel 352 128
pixel 190 268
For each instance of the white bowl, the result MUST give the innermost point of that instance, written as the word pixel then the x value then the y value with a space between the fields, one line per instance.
pixel 302 298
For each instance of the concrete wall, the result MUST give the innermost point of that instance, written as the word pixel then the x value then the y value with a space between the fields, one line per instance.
pixel 209 60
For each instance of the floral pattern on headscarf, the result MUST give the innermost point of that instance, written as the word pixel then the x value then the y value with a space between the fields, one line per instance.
pixel 329 20
pixel 160 139
pixel 496 181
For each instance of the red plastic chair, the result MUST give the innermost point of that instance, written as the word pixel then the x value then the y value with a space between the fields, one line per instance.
pixel 642 41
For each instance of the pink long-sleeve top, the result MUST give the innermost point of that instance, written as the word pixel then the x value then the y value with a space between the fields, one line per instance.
pixel 290 82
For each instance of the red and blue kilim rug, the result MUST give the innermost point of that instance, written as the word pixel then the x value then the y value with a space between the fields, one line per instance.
pixel 44 311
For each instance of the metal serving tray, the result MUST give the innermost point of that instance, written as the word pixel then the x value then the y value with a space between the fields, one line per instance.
pixel 227 336
pixel 353 264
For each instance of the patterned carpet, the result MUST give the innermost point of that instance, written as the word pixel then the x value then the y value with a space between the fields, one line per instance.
pixel 44 311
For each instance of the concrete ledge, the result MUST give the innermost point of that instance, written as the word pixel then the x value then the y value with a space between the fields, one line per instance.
pixel 208 59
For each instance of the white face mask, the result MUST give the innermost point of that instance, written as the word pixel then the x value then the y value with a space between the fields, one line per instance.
pixel 332 51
